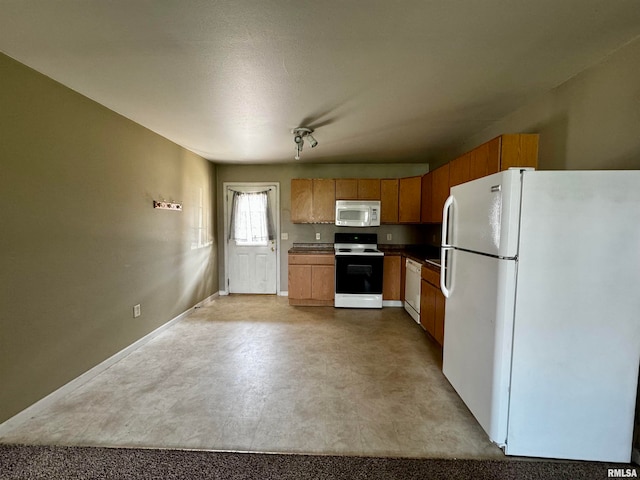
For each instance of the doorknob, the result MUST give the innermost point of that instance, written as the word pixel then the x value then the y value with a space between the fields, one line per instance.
pixel 273 249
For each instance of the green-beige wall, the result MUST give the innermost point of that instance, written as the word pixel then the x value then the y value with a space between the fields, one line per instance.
pixel 591 121
pixel 80 242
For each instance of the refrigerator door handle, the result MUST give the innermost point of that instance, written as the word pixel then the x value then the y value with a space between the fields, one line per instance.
pixel 446 291
pixel 446 210
pixel 445 221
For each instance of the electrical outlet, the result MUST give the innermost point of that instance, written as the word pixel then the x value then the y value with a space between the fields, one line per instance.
pixel 317 235
pixel 389 236
pixel 284 236
pixel 136 311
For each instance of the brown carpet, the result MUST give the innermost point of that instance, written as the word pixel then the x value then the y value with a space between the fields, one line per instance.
pixel 54 462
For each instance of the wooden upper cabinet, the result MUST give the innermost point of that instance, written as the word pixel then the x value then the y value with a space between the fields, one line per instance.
pixel 501 153
pixel 518 150
pixel 346 189
pixel 439 191
pixel 301 200
pixel 389 200
pixel 459 170
pixel 357 189
pixel 427 200
pixel 324 200
pixel 485 159
pixel 369 189
pixel 313 200
pixel 409 199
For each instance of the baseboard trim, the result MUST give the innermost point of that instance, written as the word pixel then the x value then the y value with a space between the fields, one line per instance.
pixel 223 293
pixel 77 382
pixel 392 303
pixel 283 294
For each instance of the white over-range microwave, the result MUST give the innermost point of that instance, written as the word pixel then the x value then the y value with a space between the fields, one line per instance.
pixel 357 213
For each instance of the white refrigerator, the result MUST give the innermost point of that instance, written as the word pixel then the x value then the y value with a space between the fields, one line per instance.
pixel 541 270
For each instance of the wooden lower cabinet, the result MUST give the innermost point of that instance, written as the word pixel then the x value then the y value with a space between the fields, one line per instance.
pixel 432 304
pixel 311 280
pixel 392 278
pixel 428 307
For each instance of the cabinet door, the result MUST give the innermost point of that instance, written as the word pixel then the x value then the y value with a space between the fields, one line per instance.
pixel 368 189
pixel 425 207
pixel 459 170
pixel 322 282
pixel 301 200
pixel 299 282
pixel 409 200
pixel 389 200
pixel 440 192
pixel 493 156
pixel 439 317
pixel 324 200
pixel 428 307
pixel 346 189
pixel 518 150
pixel 479 161
pixel 391 277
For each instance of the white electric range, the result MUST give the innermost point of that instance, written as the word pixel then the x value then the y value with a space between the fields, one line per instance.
pixel 358 270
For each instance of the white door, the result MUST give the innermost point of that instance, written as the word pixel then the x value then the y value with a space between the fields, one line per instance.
pixel 251 258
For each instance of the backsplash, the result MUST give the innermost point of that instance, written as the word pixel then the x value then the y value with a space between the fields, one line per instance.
pixel 399 234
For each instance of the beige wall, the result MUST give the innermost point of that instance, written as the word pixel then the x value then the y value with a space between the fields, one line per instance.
pixel 299 233
pixel 591 121
pixel 80 243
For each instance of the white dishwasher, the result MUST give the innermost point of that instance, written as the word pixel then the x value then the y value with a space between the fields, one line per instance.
pixel 412 289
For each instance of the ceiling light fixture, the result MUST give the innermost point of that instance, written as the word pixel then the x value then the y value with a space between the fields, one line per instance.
pixel 299 134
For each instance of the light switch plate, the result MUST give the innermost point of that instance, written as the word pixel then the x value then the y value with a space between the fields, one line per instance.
pixel 389 236
pixel 317 235
pixel 284 236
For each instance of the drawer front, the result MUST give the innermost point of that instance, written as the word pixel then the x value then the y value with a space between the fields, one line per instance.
pixel 431 276
pixel 328 259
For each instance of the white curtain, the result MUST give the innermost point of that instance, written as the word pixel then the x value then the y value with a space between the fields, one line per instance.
pixel 251 222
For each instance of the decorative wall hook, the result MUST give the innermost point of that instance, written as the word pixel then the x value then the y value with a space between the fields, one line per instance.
pixel 167 205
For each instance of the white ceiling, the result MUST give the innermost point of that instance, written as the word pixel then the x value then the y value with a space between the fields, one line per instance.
pixel 379 80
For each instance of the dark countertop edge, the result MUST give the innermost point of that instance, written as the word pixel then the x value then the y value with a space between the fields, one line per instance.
pixel 419 253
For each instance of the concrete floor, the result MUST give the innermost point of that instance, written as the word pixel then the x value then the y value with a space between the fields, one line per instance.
pixel 251 373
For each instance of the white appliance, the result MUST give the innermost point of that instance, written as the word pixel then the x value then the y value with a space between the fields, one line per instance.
pixel 357 213
pixel 541 271
pixel 359 266
pixel 413 280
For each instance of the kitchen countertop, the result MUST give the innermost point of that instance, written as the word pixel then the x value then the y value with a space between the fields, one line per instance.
pixel 424 254
pixel 312 248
